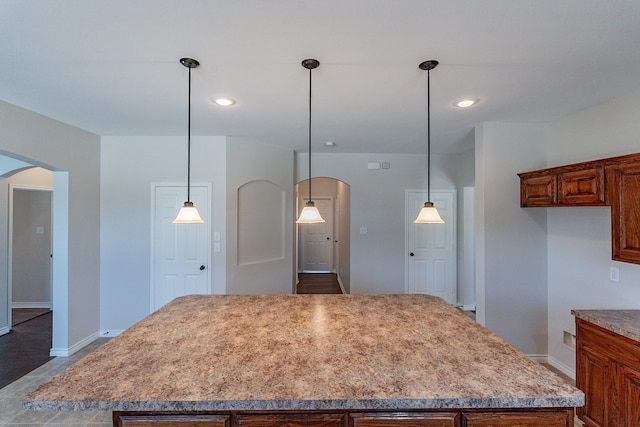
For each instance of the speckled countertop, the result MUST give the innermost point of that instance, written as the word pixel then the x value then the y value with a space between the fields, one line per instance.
pixel 621 322
pixel 268 352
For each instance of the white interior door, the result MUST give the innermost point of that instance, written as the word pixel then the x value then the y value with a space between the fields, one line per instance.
pixel 431 248
pixel 317 240
pixel 180 264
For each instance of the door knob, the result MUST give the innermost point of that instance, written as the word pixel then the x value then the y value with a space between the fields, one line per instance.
pixel 411 254
pixel 202 267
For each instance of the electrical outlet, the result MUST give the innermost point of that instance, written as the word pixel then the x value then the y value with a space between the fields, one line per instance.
pixel 614 274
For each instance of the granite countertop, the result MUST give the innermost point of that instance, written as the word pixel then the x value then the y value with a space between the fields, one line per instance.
pixel 621 322
pixel 296 352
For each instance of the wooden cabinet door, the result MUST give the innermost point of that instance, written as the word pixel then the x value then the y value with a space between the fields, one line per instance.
pixel 583 187
pixel 404 419
pixel 629 397
pixel 160 420
pixel 538 191
pixel 290 420
pixel 623 187
pixel 511 419
pixel 595 377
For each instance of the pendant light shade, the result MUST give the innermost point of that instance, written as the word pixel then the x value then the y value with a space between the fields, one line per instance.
pixel 188 214
pixel 428 214
pixel 310 214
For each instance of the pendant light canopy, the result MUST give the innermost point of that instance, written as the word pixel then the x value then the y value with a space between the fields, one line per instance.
pixel 188 213
pixel 428 214
pixel 310 214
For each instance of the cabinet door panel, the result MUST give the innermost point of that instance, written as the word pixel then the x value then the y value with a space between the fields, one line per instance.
pixel 173 421
pixel 510 419
pixel 630 398
pixel 290 420
pixel 404 419
pixel 594 375
pixel 538 191
pixel 584 187
pixel 623 186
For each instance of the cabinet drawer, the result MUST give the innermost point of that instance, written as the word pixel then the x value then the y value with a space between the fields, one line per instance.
pixel 607 343
pixel 538 191
pixel 584 187
pixel 522 419
pixel 160 420
pixel 404 419
pixel 290 420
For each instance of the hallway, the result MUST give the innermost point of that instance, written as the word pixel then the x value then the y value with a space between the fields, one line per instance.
pixel 318 283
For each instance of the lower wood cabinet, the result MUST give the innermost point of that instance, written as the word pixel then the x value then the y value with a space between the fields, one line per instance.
pixel 509 419
pixel 174 420
pixel 608 372
pixel 552 417
pixel 290 420
pixel 404 419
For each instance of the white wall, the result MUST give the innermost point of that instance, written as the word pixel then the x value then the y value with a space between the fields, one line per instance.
pixel 129 166
pixel 579 239
pixel 254 161
pixel 60 147
pixel 511 264
pixel 378 203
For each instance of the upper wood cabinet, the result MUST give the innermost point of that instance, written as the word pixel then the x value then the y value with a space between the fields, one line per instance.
pixel 611 182
pixel 582 184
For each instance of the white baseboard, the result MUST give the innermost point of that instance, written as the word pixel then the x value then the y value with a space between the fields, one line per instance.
pixel 341 285
pixel 468 307
pixel 561 367
pixel 31 305
pixel 545 358
pixel 4 330
pixel 110 333
pixel 66 352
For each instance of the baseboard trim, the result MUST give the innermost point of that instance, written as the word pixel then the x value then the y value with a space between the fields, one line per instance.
pixel 110 333
pixel 341 285
pixel 31 305
pixel 561 367
pixel 4 330
pixel 545 358
pixel 468 307
pixel 66 352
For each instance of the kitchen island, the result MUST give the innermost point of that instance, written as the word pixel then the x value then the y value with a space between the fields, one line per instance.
pixel 311 360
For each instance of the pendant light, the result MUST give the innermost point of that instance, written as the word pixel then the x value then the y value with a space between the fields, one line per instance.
pixel 310 214
pixel 428 214
pixel 188 214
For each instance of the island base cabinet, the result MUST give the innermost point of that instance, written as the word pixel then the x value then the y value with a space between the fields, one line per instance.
pixel 509 419
pixel 404 419
pixel 173 420
pixel 290 420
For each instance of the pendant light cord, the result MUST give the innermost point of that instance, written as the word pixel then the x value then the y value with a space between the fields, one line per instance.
pixel 189 144
pixel 429 135
pixel 309 134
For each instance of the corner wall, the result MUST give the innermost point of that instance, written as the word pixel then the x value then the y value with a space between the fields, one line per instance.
pixel 579 239
pixel 511 242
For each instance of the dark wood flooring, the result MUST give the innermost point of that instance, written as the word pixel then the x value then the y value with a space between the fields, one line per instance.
pixel 25 348
pixel 318 283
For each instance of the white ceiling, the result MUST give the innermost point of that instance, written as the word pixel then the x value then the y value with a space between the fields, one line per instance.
pixel 111 66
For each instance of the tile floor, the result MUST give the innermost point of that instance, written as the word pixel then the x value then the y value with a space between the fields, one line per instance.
pixel 12 414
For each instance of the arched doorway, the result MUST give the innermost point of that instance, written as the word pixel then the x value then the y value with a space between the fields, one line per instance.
pixel 325 248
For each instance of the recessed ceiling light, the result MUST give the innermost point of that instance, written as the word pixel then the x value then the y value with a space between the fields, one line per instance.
pixel 329 144
pixel 223 102
pixel 465 103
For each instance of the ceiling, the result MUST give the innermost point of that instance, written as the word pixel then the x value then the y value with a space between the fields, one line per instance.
pixel 111 67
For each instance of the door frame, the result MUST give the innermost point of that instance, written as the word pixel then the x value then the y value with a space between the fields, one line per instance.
pixel 152 213
pixel 453 193
pixel 12 188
